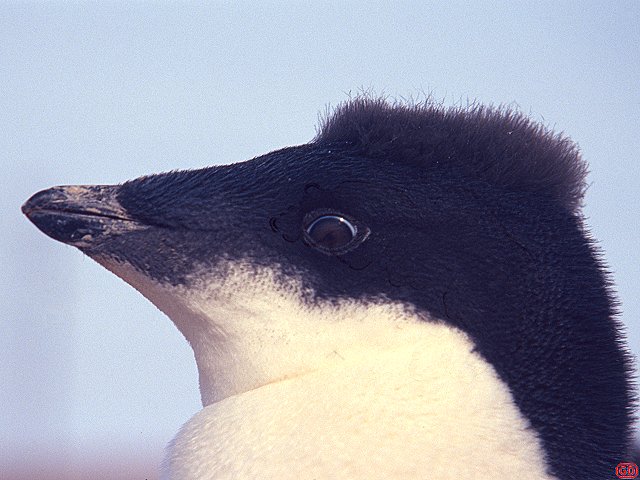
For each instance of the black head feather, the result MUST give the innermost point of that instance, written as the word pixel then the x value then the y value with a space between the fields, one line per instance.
pixel 501 146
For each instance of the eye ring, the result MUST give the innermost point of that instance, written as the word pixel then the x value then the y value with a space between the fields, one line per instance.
pixel 333 233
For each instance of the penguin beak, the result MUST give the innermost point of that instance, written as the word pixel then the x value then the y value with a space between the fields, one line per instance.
pixel 79 215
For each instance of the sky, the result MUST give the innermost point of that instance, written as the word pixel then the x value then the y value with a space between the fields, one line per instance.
pixel 92 374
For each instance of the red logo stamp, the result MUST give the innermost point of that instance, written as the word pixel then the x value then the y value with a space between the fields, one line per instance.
pixel 627 470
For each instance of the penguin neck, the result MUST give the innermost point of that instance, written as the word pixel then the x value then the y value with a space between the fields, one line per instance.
pixel 344 417
pixel 330 386
pixel 263 339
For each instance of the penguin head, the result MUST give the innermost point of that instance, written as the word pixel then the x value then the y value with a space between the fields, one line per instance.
pixel 466 218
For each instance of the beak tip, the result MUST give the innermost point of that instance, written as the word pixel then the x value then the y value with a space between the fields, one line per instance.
pixel 75 214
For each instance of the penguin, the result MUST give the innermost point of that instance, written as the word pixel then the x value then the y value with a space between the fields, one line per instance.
pixel 412 294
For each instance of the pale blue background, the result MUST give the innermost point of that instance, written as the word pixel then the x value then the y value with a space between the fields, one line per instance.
pixel 95 93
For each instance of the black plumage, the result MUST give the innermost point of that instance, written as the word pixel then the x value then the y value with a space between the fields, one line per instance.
pixel 472 215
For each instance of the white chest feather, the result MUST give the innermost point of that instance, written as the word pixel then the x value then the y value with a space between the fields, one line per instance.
pixel 349 390
pixel 431 410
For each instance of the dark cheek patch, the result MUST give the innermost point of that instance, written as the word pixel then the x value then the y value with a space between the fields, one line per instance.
pixel 167 256
pixel 361 257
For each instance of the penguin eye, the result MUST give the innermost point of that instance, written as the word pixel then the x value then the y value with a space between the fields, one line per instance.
pixel 331 233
